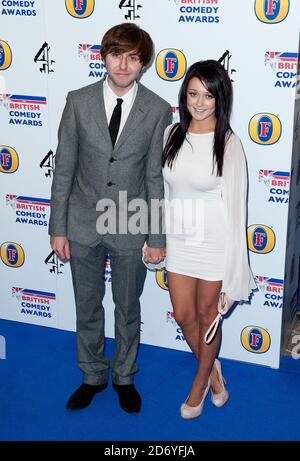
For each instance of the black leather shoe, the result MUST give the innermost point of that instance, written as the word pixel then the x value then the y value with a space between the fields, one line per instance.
pixel 129 397
pixel 83 396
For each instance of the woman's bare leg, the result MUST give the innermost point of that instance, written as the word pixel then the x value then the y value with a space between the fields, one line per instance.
pixel 183 294
pixel 188 300
pixel 207 300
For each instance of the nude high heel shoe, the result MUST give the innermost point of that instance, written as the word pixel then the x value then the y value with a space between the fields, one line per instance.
pixel 221 398
pixel 188 412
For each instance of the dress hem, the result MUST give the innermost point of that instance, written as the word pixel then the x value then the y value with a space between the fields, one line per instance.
pixel 180 272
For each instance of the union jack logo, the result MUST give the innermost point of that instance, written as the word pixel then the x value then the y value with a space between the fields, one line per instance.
pixel 11 200
pixel 14 199
pixel 5 100
pixel 85 50
pixel 273 57
pixel 17 292
pixel 263 282
pixel 267 175
pixel 34 293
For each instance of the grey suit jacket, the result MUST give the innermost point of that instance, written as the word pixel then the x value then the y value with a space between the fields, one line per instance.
pixel 88 168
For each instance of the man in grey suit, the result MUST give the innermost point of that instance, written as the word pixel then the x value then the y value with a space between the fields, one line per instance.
pixel 110 141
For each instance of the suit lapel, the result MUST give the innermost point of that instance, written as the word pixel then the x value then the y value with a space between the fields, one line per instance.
pixel 136 115
pixel 98 109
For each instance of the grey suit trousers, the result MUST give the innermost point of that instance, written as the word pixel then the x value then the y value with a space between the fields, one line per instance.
pixel 128 277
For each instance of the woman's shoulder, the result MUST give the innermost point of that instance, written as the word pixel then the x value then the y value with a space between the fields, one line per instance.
pixel 234 151
pixel 234 143
pixel 232 139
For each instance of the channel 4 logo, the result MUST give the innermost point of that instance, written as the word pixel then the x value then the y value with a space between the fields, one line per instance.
pixel 272 11
pixel 171 64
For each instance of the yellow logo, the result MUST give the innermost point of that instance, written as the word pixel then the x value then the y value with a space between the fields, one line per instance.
pixel 9 160
pixel 161 279
pixel 265 128
pixel 12 254
pixel 255 339
pixel 272 11
pixel 80 9
pixel 170 64
pixel 5 55
pixel 261 239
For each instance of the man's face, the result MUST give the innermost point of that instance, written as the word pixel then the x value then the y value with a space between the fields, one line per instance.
pixel 122 69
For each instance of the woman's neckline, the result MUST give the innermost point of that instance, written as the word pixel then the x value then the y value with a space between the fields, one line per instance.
pixel 201 134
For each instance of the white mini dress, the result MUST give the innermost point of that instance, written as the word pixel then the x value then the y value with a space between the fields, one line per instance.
pixel 195 217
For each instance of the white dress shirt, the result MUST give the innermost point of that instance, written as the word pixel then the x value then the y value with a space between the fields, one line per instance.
pixel 110 101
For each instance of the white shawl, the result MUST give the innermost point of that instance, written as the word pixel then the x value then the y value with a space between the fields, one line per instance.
pixel 238 281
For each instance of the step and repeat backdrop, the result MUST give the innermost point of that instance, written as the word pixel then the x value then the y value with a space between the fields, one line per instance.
pixel 48 48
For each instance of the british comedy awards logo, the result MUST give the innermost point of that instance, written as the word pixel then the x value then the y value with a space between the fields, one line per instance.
pixel 277 185
pixel 272 291
pixel 29 210
pixel 23 110
pixel 80 9
pixel 91 56
pixel 255 339
pixel 271 11
pixel 284 65
pixel 9 160
pixel 265 128
pixel 18 8
pixel 33 303
pixel 204 12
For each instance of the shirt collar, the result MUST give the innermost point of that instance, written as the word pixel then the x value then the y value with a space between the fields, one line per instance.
pixel 128 98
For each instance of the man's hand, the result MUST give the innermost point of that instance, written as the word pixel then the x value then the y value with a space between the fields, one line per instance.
pixel 61 247
pixel 154 255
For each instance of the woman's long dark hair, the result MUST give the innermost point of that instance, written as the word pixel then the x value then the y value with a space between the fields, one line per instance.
pixel 215 78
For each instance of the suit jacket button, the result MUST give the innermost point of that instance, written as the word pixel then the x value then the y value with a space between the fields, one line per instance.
pixel 112 160
pixel 110 183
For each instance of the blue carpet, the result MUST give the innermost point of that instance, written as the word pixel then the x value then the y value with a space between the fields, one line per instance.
pixel 40 373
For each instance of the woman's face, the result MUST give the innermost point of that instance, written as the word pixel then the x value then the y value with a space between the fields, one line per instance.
pixel 200 102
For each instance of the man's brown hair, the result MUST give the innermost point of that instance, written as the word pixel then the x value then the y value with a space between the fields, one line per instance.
pixel 128 37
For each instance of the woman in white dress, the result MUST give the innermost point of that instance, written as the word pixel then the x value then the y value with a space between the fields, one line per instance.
pixel 205 176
